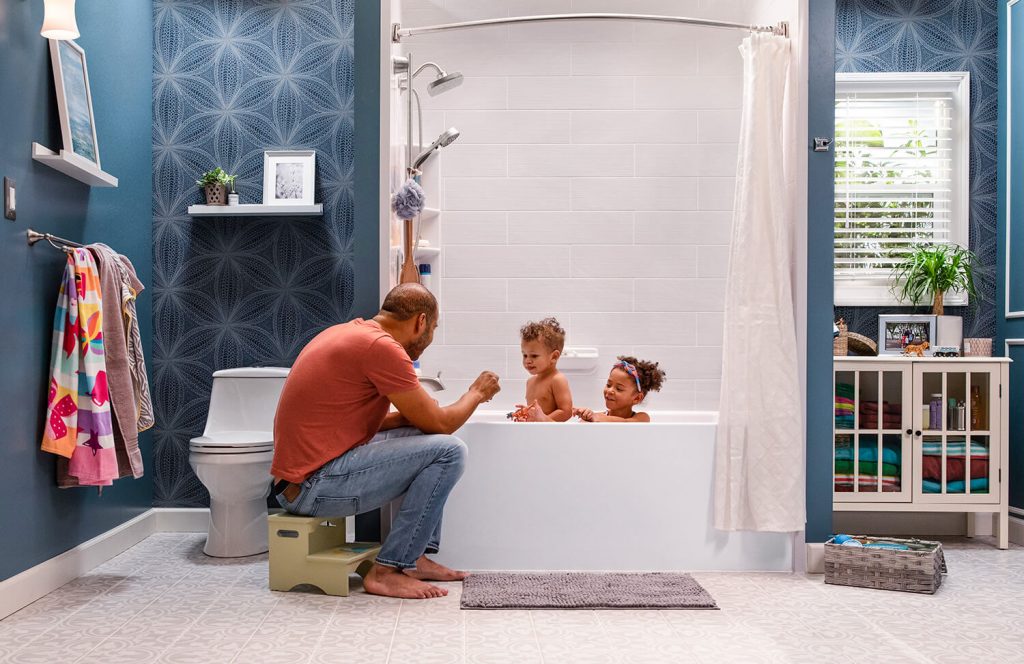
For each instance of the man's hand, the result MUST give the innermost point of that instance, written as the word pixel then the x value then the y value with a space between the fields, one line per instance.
pixel 486 385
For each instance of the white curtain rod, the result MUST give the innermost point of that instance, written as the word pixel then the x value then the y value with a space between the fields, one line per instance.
pixel 397 31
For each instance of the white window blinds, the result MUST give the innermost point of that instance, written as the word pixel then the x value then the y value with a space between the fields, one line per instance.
pixel 900 160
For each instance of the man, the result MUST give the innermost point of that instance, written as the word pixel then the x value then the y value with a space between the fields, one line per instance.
pixel 339 452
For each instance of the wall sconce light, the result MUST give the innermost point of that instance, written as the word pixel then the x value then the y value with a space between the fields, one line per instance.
pixel 59 20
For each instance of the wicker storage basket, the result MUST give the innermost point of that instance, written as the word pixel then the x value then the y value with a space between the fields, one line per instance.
pixel 840 344
pixel 861 345
pixel 914 571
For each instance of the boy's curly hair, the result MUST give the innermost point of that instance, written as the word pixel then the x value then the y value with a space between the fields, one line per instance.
pixel 651 377
pixel 549 331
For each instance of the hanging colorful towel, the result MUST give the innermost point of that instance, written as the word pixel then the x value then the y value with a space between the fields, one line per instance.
pixel 78 424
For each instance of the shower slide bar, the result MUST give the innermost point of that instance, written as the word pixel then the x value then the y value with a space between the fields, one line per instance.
pixel 397 31
pixel 64 245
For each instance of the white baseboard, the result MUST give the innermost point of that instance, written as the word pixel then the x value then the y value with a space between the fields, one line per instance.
pixel 1016 530
pixel 182 519
pixel 22 589
pixel 815 552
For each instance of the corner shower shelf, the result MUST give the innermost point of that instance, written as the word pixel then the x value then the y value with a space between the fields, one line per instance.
pixel 74 166
pixel 429 214
pixel 256 210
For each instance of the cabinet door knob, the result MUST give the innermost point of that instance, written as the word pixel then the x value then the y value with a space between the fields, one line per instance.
pixel 917 433
pixel 910 432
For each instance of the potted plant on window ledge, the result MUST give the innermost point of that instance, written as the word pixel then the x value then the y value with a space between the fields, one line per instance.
pixel 931 271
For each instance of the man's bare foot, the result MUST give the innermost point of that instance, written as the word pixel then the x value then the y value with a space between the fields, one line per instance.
pixel 428 570
pixel 390 582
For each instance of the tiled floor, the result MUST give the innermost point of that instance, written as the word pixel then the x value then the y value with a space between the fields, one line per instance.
pixel 164 601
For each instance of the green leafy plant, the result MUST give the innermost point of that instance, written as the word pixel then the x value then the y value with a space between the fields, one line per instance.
pixel 933 270
pixel 217 176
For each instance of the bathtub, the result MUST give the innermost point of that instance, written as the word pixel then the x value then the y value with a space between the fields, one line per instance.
pixel 581 496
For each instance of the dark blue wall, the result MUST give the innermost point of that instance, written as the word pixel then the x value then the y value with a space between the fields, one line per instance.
pixel 1012 328
pixel 38 520
pixel 935 36
pixel 820 187
pixel 230 80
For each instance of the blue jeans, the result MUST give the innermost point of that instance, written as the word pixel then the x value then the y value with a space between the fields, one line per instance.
pixel 423 467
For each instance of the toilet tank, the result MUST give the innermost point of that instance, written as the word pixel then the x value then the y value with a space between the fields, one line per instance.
pixel 245 399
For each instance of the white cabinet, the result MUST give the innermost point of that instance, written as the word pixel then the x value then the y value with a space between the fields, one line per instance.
pixel 921 435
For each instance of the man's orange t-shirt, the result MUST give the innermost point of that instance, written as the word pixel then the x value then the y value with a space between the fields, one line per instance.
pixel 334 397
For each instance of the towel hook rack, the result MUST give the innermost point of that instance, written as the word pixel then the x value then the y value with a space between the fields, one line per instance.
pixel 34 236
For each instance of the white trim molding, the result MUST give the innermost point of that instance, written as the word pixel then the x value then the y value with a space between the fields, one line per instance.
pixel 1009 313
pixel 22 589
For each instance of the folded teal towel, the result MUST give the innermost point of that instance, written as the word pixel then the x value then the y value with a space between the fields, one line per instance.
pixel 978 485
pixel 869 453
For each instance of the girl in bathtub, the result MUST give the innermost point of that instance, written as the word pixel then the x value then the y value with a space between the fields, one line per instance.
pixel 629 382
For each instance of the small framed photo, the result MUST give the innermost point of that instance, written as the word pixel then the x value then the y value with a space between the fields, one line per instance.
pixel 897 331
pixel 288 177
pixel 74 100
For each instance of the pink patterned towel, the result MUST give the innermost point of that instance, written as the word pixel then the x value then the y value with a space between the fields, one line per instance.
pixel 78 424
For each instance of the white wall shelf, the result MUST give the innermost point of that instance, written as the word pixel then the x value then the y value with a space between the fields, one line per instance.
pixel 429 214
pixel 256 210
pixel 74 166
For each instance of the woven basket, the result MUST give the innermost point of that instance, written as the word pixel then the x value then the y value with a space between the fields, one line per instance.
pixel 861 345
pixel 914 571
pixel 841 343
pixel 978 347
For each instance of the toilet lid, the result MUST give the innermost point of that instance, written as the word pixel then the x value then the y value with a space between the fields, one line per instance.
pixel 233 442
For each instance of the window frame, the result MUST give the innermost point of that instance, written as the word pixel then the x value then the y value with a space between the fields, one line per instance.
pixel 877 291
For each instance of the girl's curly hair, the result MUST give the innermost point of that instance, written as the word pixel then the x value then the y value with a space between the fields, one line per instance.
pixel 651 377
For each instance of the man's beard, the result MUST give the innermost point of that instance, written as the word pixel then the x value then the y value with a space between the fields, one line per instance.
pixel 417 346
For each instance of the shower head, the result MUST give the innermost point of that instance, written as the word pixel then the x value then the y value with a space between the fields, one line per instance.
pixel 442 141
pixel 444 82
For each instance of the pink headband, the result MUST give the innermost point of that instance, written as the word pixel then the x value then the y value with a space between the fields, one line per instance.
pixel 631 370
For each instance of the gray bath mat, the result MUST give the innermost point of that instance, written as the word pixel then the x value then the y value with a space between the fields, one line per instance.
pixel 584 590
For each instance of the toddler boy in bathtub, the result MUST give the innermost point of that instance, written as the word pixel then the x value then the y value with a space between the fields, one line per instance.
pixel 547 390
pixel 629 381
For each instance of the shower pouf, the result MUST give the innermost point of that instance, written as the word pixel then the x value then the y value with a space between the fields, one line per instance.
pixel 409 201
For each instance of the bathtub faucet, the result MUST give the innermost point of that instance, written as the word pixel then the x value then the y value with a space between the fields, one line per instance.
pixel 434 382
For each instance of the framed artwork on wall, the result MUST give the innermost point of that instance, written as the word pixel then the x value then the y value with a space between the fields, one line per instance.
pixel 289 177
pixel 897 331
pixel 74 100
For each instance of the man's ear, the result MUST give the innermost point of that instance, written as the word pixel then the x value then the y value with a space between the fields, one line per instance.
pixel 421 324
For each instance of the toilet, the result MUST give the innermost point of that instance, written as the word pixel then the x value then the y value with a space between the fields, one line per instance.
pixel 232 458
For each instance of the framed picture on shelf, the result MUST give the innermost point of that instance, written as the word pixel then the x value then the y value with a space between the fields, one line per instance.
pixel 289 177
pixel 897 331
pixel 74 100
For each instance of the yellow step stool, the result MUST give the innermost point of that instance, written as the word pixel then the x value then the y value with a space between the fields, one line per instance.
pixel 312 550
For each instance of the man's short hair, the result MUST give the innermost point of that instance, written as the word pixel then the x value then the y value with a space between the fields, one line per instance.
pixel 406 301
pixel 548 331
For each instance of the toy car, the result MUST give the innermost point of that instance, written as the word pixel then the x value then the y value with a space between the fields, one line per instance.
pixel 946 351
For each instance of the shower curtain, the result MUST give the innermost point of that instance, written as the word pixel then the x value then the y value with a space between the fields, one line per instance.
pixel 759 460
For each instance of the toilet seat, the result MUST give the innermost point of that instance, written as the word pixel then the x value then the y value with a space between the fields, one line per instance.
pixel 233 442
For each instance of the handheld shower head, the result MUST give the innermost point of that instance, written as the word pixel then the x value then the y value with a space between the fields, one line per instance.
pixel 442 141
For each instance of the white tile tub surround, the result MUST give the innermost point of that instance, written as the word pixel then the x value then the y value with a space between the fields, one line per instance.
pixel 593 181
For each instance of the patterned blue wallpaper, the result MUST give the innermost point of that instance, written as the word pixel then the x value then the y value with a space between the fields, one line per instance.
pixel 937 35
pixel 232 78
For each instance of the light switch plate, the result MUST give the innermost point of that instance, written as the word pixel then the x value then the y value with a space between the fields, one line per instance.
pixel 9 200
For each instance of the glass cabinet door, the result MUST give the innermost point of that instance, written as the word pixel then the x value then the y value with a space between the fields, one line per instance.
pixel 871 447
pixel 954 460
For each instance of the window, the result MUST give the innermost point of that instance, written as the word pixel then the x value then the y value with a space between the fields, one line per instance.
pixel 901 175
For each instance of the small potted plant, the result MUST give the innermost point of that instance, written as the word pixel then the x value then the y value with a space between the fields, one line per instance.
pixel 932 270
pixel 215 183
